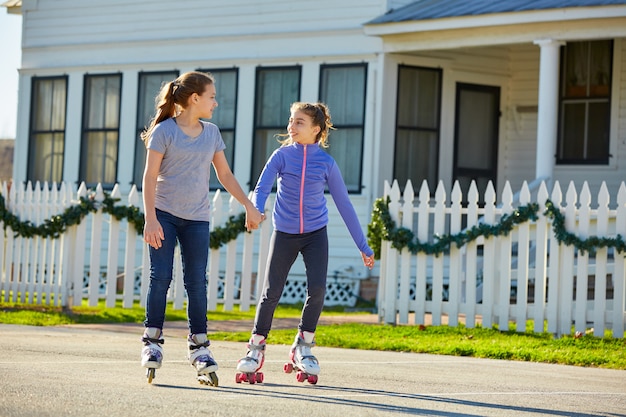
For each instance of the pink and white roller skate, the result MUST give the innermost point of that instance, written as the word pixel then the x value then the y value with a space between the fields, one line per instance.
pixel 249 365
pixel 306 365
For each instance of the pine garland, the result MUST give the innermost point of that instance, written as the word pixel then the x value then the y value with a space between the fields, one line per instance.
pixel 383 227
pixel 55 226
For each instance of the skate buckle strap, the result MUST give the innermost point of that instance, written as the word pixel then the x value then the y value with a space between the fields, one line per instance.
pixel 198 346
pixel 252 346
pixel 146 339
pixel 301 342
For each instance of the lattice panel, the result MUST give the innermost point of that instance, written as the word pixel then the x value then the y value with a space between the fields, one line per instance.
pixel 341 291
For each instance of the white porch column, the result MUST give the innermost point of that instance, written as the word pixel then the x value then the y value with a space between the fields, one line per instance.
pixel 547 118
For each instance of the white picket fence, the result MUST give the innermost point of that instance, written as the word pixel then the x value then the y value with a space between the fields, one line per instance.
pixel 525 275
pixel 104 258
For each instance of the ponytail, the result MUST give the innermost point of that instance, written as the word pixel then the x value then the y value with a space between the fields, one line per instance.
pixel 174 96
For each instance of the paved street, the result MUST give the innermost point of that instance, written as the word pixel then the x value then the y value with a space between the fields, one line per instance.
pixel 95 371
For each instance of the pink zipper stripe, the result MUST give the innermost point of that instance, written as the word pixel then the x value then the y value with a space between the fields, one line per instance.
pixel 302 191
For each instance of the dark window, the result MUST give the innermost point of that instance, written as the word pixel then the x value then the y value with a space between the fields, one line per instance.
pixel 225 116
pixel 343 89
pixel 276 89
pixel 150 84
pixel 585 98
pixel 101 123
pixel 417 126
pixel 47 129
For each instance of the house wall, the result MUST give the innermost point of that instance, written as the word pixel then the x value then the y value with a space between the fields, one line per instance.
pixel 519 139
pixel 74 37
pixel 515 69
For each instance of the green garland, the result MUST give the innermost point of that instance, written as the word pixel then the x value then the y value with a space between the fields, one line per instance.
pixel 58 224
pixel 383 227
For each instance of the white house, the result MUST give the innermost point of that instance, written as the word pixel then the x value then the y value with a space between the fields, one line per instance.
pixel 435 90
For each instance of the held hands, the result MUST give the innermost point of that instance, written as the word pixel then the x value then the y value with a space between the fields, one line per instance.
pixel 368 261
pixel 153 233
pixel 253 218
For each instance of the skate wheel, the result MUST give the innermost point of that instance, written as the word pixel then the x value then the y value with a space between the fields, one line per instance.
pixel 259 377
pixel 312 379
pixel 213 379
pixel 239 378
pixel 301 376
pixel 150 372
pixel 288 368
pixel 210 379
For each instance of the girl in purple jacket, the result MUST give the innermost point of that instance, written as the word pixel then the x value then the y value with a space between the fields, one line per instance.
pixel 302 170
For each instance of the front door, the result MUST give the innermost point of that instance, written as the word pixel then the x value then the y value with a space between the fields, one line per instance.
pixel 476 136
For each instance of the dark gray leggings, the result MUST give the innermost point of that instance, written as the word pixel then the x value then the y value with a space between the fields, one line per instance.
pixel 283 251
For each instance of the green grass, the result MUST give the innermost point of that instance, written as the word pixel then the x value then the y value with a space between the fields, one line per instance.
pixel 587 351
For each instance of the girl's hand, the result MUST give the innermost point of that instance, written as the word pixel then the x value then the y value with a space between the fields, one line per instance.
pixel 253 218
pixel 368 261
pixel 153 233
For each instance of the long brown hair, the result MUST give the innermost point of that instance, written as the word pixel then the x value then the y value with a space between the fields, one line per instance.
pixel 176 93
pixel 320 116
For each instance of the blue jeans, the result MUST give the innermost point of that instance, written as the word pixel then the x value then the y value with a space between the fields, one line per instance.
pixel 193 237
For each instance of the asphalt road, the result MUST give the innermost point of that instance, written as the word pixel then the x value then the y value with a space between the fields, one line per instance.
pixel 80 371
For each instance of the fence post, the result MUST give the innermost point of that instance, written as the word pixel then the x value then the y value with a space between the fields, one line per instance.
pixel 79 252
pixel 455 274
pixel 405 256
pixel 554 271
pixel 388 283
pixel 246 270
pixel 423 221
pixel 94 249
pixel 619 275
pixel 214 254
pixel 584 217
pixel 504 275
pixel 112 253
pixel 523 247
pixel 264 245
pixel 566 275
pixel 129 257
pixel 541 258
pixel 488 295
pixel 469 278
pixel 599 297
pixel 438 261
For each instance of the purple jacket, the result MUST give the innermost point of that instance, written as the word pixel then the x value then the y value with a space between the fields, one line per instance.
pixel 302 172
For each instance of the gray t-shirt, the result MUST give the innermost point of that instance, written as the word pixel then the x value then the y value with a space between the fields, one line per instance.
pixel 183 183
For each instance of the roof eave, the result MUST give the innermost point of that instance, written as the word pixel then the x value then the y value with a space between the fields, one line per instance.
pixel 496 19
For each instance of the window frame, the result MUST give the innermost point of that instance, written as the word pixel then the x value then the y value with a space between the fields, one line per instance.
pixel 230 154
pixel 140 126
pixel 86 130
pixel 32 132
pixel 436 130
pixel 564 100
pixel 256 126
pixel 364 66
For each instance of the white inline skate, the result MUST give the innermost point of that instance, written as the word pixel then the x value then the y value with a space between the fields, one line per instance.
pixel 306 365
pixel 152 352
pixel 249 365
pixel 201 358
